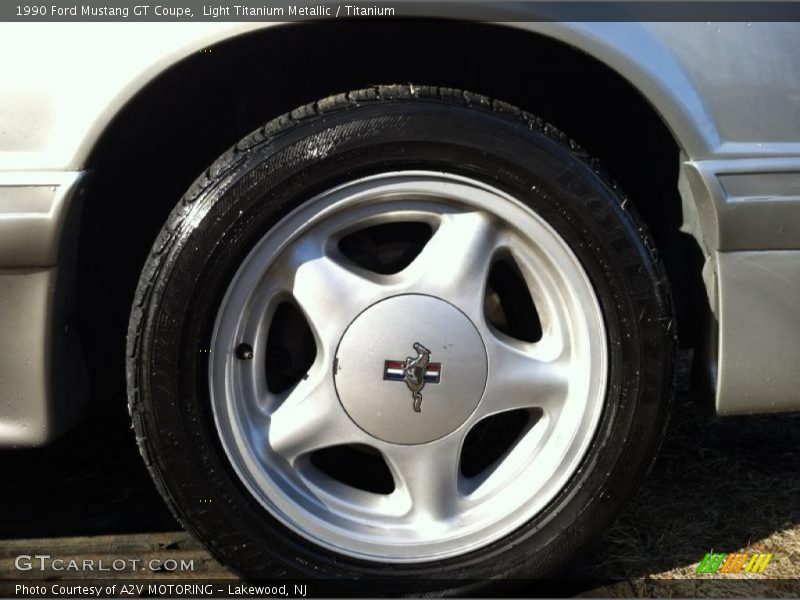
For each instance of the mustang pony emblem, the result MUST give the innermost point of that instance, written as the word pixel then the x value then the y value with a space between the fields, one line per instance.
pixel 416 371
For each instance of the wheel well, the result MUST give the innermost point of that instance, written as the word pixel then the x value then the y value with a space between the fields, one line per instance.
pixel 181 121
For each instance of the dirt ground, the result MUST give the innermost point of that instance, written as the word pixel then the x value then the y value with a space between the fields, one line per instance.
pixel 724 484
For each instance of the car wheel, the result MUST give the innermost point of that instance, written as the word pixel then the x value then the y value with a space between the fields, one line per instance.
pixel 403 332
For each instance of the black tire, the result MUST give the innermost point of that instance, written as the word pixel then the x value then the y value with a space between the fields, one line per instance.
pixel 260 179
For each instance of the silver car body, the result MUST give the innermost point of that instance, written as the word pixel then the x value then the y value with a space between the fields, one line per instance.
pixel 729 92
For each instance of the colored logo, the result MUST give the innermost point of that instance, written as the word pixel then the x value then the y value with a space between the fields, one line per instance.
pixel 416 371
pixel 738 562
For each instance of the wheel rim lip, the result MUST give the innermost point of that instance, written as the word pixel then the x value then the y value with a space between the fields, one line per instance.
pixel 304 518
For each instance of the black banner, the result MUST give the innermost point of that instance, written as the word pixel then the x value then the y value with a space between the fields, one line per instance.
pixel 265 10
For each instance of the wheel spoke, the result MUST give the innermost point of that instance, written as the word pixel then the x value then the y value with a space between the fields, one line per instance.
pixel 520 377
pixel 428 476
pixel 310 418
pixel 455 262
pixel 329 293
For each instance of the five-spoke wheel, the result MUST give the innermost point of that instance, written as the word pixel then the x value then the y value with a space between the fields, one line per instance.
pixel 362 317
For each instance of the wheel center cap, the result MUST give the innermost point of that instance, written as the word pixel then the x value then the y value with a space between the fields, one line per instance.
pixel 410 369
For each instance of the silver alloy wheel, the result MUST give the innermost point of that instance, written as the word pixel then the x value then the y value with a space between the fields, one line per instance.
pixel 359 320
